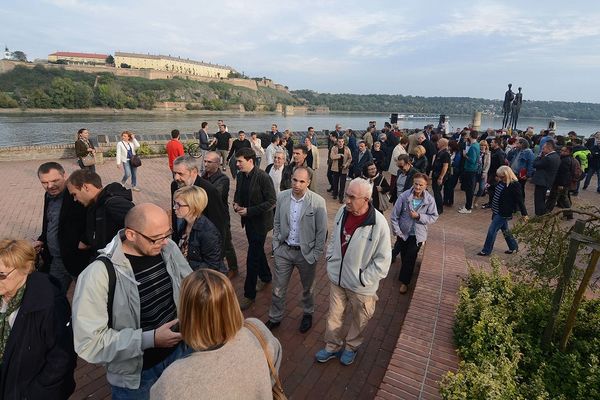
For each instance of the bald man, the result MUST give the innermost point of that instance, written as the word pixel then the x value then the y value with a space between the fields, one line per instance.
pixel 138 338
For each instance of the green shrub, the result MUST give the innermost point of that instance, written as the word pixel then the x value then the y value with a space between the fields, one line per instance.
pixel 7 102
pixel 144 150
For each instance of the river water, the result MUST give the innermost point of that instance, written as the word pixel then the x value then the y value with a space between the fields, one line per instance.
pixel 35 129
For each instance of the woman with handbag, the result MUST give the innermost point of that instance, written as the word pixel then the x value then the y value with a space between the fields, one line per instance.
pixel 85 151
pixel 232 358
pixel 127 159
pixel 381 188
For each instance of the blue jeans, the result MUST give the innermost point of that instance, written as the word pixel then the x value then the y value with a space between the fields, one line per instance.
pixel 128 171
pixel 588 177
pixel 499 223
pixel 149 377
pixel 482 180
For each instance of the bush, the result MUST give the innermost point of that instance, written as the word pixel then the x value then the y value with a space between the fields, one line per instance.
pixel 7 102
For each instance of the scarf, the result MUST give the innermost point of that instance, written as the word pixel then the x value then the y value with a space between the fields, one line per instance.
pixel 5 327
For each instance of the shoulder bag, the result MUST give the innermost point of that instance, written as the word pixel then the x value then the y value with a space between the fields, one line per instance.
pixel 278 393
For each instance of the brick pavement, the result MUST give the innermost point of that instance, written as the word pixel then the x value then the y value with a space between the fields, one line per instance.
pixel 21 205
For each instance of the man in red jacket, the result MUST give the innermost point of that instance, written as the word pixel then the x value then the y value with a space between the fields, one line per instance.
pixel 174 149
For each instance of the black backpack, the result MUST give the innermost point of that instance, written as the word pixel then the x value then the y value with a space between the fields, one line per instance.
pixel 112 283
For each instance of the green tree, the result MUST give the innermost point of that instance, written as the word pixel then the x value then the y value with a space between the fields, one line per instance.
pixel 110 95
pixel 38 98
pixel 62 93
pixel 110 60
pixel 19 56
pixel 84 95
pixel 146 100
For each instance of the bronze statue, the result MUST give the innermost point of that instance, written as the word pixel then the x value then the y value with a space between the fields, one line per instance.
pixel 509 96
pixel 515 109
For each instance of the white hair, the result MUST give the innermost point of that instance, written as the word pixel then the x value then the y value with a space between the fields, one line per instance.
pixel 365 187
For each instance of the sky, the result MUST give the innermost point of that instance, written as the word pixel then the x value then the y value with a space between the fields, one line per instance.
pixel 454 48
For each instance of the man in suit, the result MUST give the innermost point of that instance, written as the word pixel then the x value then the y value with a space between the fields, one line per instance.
pixel 546 167
pixel 299 235
pixel 63 228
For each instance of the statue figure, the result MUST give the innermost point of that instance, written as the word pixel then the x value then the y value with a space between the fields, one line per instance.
pixel 509 96
pixel 515 108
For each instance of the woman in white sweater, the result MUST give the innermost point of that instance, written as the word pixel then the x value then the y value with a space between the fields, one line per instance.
pixel 228 361
pixel 125 151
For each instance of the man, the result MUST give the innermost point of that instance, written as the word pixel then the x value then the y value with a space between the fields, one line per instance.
pixel 430 149
pixel 440 172
pixel 203 140
pixel 298 159
pixel 559 194
pixel 299 236
pixel 61 244
pixel 223 143
pixel 548 135
pixel 271 149
pixel 254 201
pixel 310 134
pixel 220 181
pixel 355 268
pixel 136 338
pixel 106 207
pixel 471 155
pixel 275 170
pixel 546 166
pixel 289 143
pixel 331 142
pixel 404 176
pixel 341 158
pixel 368 137
pixel 186 174
pixel 275 132
pixel 363 158
pixel 174 148
pixel 593 144
pixel 237 144
pixel 582 154
pixel 521 161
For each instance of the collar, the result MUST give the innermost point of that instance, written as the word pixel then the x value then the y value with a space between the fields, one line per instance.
pixel 300 200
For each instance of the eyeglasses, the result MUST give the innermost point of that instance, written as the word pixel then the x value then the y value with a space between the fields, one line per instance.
pixel 151 240
pixel 3 275
pixel 177 205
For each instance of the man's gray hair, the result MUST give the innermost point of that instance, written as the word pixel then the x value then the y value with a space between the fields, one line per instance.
pixel 215 154
pixel 188 161
pixel 364 185
pixel 420 135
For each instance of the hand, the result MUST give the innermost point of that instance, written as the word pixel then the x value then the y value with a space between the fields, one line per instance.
pixel 165 337
pixel 560 187
pixel 242 211
pixel 38 245
pixel 379 189
pixel 83 246
pixel 414 214
pixel 439 181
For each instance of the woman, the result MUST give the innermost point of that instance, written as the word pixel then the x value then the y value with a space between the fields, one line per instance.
pixel 419 159
pixel 381 188
pixel 379 157
pixel 125 151
pixel 256 145
pixel 507 199
pixel 36 339
pixel 200 239
pixel 413 211
pixel 312 157
pixel 228 361
pixel 482 176
pixel 454 172
pixel 84 148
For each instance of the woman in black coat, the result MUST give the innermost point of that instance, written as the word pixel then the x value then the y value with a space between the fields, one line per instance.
pixel 36 338
pixel 380 185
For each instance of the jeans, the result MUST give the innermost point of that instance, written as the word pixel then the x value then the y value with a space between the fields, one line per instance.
pixel 149 377
pixel 499 223
pixel 408 249
pixel 449 187
pixel 58 270
pixel 468 184
pixel 256 264
pixel 330 177
pixel 481 180
pixel 588 177
pixel 339 184
pixel 128 171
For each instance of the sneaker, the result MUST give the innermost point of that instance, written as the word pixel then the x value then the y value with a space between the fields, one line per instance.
pixel 347 357
pixel 323 355
pixel 464 211
pixel 246 303
pixel 136 189
pixel 260 285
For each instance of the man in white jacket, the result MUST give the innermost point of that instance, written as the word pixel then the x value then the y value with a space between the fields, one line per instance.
pixel 358 257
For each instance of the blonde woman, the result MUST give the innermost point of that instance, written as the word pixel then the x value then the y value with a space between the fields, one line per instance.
pixel 200 241
pixel 482 173
pixel 84 148
pixel 125 151
pixel 506 201
pixel 419 160
pixel 228 361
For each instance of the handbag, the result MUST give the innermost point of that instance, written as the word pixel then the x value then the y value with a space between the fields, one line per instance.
pixel 88 160
pixel 278 393
pixel 135 161
pixel 384 200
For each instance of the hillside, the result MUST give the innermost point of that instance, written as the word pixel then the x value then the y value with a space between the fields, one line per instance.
pixel 41 87
pixel 445 105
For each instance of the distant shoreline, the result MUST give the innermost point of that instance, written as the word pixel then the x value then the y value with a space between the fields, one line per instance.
pixel 124 111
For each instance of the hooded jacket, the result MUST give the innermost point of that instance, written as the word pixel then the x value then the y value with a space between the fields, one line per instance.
pixel 368 255
pixel 121 347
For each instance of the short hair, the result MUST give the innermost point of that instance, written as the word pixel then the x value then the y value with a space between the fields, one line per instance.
pixel 453 145
pixel 252 134
pixel 186 160
pixel 195 197
pixel 551 144
pixel 48 166
pixel 204 124
pixel 524 143
pixel 274 138
pixel 420 175
pixel 214 153
pixel 569 148
pixel 361 142
pixel 365 186
pixel 209 312
pixel 240 132
pixel 576 141
pixel 174 133
pixel 420 151
pixel 279 151
pixel 366 167
pixel 507 174
pixel 308 171
pixel 443 142
pixel 247 153
pixel 382 136
pixel 18 254
pixel 301 147
pixel 309 128
pixel 498 141
pixel 404 157
pixel 84 176
pixel 474 134
pixel 404 140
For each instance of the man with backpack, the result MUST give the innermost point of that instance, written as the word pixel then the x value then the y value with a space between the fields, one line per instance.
pixel 125 304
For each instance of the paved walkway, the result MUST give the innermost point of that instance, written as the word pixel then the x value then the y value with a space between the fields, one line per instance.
pixel 21 204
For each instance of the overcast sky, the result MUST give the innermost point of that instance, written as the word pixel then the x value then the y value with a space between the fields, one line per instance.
pixel 422 48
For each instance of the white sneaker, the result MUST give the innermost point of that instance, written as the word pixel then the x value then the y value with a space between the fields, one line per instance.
pixel 464 211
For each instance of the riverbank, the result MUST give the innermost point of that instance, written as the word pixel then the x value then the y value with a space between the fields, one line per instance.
pixel 126 111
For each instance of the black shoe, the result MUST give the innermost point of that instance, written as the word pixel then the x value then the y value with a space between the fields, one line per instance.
pixel 486 205
pixel 341 200
pixel 481 253
pixel 306 323
pixel 511 251
pixel 272 324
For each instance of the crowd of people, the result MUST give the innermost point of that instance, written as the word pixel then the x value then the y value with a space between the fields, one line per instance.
pixel 153 299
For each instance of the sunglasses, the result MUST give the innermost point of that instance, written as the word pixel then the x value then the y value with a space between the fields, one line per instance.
pixel 3 275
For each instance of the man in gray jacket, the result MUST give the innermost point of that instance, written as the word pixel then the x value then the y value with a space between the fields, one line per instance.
pixel 299 235
pixel 358 257
pixel 138 338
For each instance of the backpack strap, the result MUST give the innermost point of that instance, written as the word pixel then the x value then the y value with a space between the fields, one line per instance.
pixel 112 283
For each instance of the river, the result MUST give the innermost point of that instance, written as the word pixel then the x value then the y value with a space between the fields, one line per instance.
pixel 36 129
